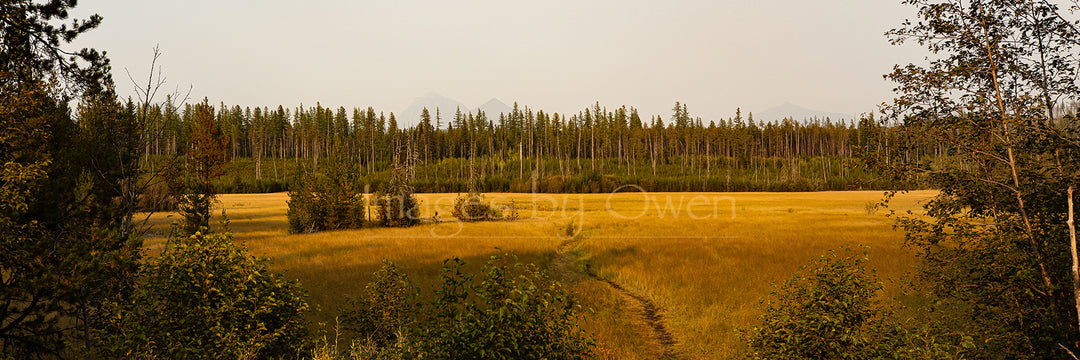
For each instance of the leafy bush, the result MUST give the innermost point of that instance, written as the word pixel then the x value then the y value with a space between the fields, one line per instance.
pixel 511 311
pixel 508 310
pixel 472 207
pixel 828 312
pixel 384 309
pixel 325 201
pixel 205 297
pixel 831 312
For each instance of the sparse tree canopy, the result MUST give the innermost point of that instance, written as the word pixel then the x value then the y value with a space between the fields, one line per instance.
pixel 396 203
pixel 994 244
pixel 32 35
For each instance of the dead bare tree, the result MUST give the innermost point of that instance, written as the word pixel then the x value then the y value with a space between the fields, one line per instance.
pixel 138 185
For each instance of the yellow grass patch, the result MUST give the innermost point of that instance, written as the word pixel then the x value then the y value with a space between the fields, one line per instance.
pixel 704 258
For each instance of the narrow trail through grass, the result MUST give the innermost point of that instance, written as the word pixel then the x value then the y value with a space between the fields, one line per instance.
pixel 647 317
pixel 648 313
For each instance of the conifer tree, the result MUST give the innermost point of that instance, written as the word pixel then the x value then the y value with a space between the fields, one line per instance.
pixel 65 205
pixel 395 202
pixel 205 161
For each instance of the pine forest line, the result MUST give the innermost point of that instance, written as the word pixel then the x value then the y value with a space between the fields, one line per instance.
pixel 595 150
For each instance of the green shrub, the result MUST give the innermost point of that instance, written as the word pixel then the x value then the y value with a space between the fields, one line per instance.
pixel 827 312
pixel 508 310
pixel 206 298
pixel 330 200
pixel 397 210
pixel 385 308
pixel 473 207
pixel 831 312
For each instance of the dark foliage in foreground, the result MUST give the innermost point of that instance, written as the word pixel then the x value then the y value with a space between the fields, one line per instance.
pixel 205 297
pixel 507 310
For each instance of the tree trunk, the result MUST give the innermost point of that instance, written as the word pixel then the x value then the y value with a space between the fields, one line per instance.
pixel 1075 264
pixel 1035 248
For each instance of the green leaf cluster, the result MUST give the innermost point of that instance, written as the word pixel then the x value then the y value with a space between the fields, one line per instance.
pixel 831 311
pixel 206 298
pixel 384 309
pixel 507 310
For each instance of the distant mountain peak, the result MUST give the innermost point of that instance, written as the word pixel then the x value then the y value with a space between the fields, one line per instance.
pixel 494 101
pixel 789 110
pixel 432 96
pixel 432 101
pixel 492 108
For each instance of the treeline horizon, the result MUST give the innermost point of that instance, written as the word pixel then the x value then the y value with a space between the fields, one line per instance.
pixel 526 150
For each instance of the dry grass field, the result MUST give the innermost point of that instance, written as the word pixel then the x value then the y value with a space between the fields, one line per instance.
pixel 674 273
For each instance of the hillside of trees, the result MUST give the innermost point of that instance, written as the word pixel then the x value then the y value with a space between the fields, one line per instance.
pixel 526 150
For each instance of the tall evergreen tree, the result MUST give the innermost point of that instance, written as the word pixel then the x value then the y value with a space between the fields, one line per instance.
pixel 205 162
pixel 67 241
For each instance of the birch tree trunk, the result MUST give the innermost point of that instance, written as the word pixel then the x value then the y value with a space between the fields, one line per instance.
pixel 1075 264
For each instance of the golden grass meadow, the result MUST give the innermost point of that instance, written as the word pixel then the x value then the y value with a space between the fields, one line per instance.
pixel 704 260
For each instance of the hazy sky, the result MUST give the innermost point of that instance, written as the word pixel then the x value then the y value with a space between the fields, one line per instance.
pixel 556 55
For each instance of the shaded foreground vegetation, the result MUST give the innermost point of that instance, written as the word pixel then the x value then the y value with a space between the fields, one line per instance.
pixel 832 310
pixel 507 310
pixel 204 295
